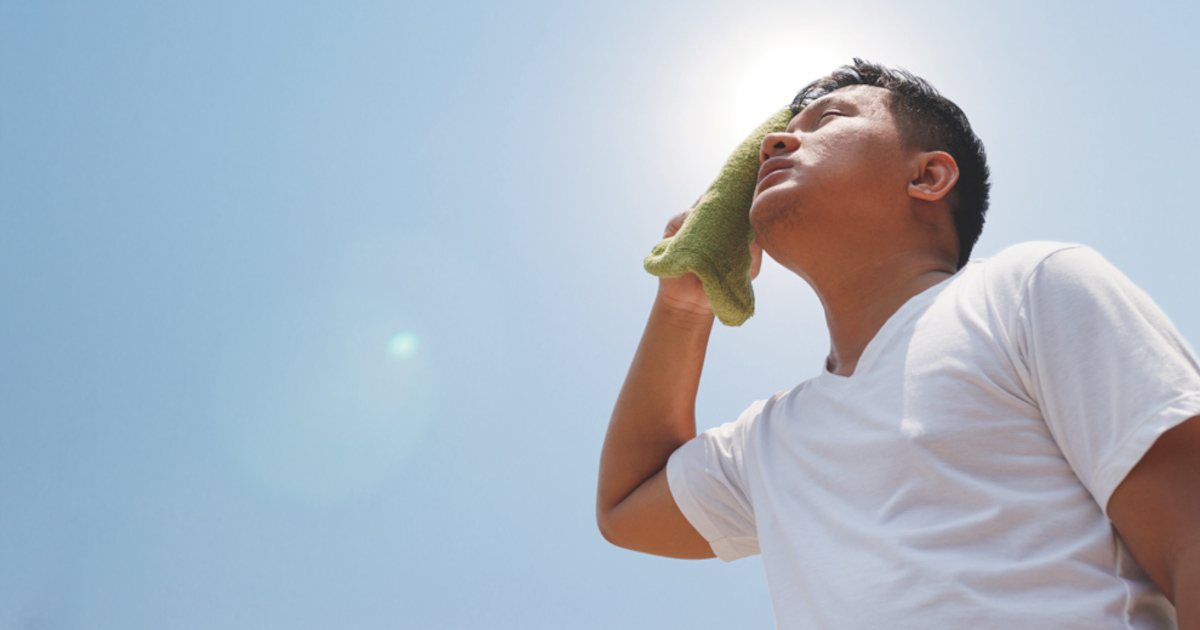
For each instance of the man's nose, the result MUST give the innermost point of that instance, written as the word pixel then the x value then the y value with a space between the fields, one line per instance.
pixel 776 143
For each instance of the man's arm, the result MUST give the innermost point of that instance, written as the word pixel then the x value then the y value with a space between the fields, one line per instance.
pixel 1156 509
pixel 655 415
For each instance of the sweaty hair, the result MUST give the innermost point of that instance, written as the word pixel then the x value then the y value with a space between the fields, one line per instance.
pixel 930 122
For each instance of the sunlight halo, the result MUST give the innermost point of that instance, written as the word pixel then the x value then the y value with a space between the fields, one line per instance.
pixel 773 80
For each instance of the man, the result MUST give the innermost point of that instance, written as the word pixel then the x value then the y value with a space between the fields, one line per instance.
pixel 992 444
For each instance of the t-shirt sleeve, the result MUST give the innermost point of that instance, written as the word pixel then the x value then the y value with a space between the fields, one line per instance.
pixel 706 479
pixel 1108 369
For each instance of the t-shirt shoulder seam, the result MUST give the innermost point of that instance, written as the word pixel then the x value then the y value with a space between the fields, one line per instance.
pixel 1034 269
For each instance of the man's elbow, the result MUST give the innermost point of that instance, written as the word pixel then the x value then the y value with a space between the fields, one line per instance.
pixel 608 529
pixel 620 528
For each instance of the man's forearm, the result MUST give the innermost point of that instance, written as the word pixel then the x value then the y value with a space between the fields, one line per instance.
pixel 655 411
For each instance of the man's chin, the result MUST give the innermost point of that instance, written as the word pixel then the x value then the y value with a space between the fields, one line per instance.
pixel 765 216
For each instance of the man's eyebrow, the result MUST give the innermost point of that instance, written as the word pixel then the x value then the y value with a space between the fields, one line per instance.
pixel 815 106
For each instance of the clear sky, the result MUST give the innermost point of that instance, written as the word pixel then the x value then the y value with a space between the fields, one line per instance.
pixel 312 314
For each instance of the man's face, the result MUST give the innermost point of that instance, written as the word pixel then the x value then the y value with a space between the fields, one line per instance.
pixel 831 179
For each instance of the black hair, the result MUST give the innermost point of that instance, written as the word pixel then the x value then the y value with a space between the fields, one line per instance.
pixel 931 122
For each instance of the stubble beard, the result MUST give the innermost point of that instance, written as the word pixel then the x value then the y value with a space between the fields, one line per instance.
pixel 770 221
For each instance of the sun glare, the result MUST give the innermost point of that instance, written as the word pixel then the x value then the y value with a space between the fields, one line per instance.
pixel 774 79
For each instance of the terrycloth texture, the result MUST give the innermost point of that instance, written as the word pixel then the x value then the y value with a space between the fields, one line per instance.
pixel 714 242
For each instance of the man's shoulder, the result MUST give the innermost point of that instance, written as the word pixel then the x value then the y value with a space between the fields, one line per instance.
pixel 1015 265
pixel 1027 255
pixel 1048 271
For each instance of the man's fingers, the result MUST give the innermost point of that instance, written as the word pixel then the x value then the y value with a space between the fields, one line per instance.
pixel 675 223
pixel 756 252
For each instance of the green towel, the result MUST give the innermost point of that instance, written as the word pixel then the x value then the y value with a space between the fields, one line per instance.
pixel 714 242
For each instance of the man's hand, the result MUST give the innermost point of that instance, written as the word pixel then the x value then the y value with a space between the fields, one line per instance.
pixel 686 292
pixel 654 416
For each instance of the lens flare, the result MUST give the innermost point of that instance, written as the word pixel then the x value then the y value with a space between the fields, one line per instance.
pixel 403 345
pixel 324 395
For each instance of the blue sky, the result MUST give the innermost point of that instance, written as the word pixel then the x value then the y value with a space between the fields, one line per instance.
pixel 312 315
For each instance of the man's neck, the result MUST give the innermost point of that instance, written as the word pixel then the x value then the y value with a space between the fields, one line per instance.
pixel 859 301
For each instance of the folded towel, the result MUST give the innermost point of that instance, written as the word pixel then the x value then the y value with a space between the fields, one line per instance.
pixel 714 241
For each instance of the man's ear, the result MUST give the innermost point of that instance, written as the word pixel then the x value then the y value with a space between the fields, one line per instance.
pixel 935 176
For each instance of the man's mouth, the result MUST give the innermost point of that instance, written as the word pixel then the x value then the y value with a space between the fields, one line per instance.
pixel 773 165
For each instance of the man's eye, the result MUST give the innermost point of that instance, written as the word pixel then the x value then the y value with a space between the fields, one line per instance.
pixel 825 115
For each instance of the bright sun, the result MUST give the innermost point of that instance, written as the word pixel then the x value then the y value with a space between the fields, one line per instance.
pixel 774 79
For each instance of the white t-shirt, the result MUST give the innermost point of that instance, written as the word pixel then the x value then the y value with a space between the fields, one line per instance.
pixel 958 479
